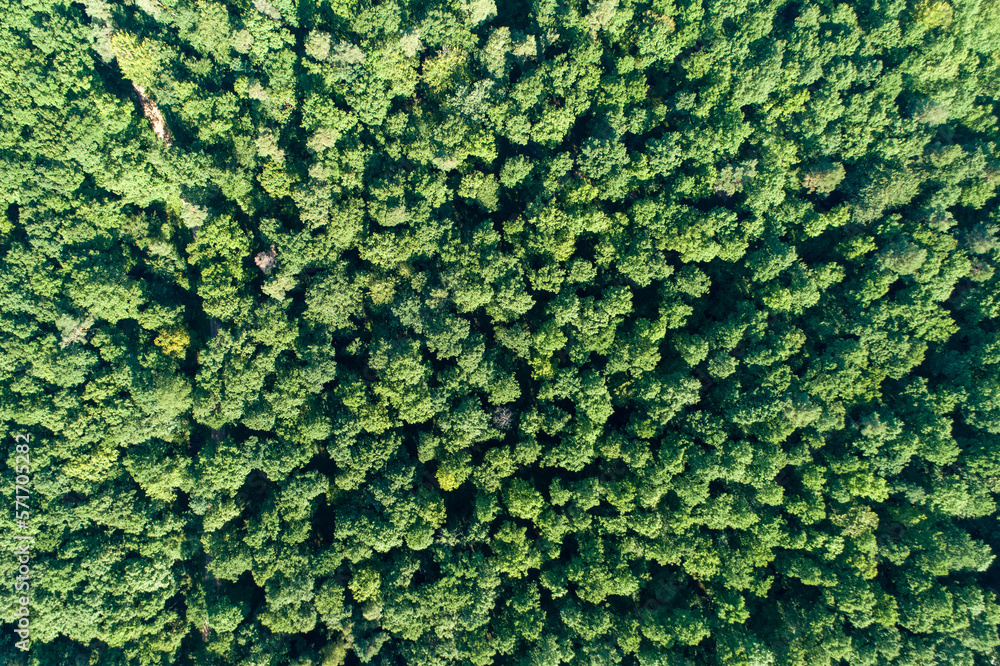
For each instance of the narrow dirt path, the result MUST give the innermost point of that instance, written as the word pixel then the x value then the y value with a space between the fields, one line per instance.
pixel 155 116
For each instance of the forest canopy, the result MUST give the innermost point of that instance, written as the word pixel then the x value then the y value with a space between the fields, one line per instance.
pixel 514 332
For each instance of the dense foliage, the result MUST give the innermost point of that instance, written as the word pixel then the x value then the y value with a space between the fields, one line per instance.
pixel 530 333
